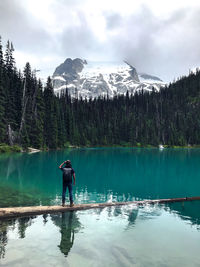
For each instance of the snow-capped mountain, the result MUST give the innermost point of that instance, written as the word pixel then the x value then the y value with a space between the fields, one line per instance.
pixel 92 79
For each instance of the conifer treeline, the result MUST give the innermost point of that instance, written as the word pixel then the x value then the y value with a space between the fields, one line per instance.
pixel 31 115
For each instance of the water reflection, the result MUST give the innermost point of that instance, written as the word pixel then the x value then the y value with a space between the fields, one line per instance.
pixel 132 217
pixel 3 238
pixel 20 225
pixel 45 216
pixel 67 228
pixel 69 224
pixel 23 224
pixel 188 211
pixel 129 213
pixel 67 235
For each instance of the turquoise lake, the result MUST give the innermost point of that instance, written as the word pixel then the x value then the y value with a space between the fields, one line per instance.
pixel 161 235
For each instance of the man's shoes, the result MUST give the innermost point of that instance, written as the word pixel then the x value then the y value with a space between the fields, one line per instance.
pixel 71 204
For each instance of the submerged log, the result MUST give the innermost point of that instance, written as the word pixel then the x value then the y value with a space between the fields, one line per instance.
pixel 37 210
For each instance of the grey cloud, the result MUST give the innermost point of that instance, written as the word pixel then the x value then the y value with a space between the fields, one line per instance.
pixel 21 29
pixel 136 40
pixel 79 40
pixel 113 20
pixel 167 47
pixel 70 3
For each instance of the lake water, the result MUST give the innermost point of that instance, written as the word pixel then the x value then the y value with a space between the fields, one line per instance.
pixel 164 235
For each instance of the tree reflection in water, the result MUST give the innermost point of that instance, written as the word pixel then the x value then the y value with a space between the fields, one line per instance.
pixel 3 238
pixel 187 211
pixel 69 224
pixel 5 225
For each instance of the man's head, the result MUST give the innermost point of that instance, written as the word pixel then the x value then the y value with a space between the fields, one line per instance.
pixel 68 163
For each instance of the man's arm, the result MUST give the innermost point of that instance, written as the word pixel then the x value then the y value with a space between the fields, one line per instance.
pixel 61 165
pixel 74 178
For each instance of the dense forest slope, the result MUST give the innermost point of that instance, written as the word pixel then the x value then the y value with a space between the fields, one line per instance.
pixel 31 115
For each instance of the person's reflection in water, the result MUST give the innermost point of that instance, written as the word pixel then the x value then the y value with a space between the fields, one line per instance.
pixel 69 225
pixel 67 233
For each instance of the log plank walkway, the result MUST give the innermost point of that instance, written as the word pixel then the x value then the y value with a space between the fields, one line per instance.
pixel 37 210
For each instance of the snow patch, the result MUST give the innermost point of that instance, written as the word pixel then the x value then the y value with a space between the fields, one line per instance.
pixel 106 78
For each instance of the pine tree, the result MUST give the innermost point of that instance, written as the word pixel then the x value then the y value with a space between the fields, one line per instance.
pixel 37 117
pixel 2 98
pixel 25 121
pixel 50 120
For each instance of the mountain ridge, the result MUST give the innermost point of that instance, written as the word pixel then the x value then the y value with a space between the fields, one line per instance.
pixel 90 79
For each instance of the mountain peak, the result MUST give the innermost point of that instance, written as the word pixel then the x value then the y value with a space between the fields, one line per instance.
pixel 73 66
pixel 89 79
pixel 132 71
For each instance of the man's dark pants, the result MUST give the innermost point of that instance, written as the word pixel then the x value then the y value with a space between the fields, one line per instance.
pixel 65 186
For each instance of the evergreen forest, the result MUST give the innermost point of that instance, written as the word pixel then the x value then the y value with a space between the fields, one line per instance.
pixel 32 115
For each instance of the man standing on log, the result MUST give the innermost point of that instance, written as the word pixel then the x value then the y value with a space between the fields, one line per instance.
pixel 68 172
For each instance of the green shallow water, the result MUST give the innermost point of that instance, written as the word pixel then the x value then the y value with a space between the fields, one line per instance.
pixel 166 235
pixel 102 175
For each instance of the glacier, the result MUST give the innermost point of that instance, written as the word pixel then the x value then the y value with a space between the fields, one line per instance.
pixel 90 79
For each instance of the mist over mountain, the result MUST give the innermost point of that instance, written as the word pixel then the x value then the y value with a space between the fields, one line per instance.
pixel 89 79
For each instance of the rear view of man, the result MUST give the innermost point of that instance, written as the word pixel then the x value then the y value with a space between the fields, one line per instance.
pixel 68 172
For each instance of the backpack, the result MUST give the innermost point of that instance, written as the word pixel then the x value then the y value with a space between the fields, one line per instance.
pixel 67 175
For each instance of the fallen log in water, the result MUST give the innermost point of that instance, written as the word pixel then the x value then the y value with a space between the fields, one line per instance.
pixel 36 210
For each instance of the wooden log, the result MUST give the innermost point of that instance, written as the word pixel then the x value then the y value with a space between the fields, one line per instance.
pixel 37 210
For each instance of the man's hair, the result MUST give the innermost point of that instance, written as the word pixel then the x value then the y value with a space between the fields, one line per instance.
pixel 68 163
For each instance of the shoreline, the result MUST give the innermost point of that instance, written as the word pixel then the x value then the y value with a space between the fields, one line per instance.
pixel 17 149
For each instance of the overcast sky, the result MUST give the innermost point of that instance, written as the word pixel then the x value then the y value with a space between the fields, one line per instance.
pixel 157 37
